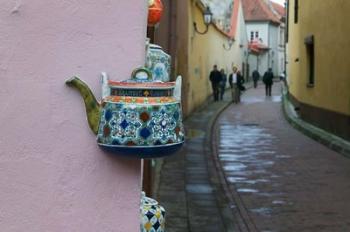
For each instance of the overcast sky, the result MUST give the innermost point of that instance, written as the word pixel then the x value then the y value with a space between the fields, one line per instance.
pixel 281 2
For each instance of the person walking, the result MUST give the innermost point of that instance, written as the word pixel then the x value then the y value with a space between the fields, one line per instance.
pixel 232 79
pixel 215 78
pixel 256 77
pixel 268 81
pixel 222 83
pixel 240 86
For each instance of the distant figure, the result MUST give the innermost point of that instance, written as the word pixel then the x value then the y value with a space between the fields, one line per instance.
pixel 268 81
pixel 256 77
pixel 282 76
pixel 215 78
pixel 232 79
pixel 240 82
pixel 222 83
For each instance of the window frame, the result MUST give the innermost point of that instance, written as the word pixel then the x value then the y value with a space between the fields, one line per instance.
pixel 309 42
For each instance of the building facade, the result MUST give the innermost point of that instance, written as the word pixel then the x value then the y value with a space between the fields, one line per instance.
pixel 53 176
pixel 318 67
pixel 195 54
pixel 265 31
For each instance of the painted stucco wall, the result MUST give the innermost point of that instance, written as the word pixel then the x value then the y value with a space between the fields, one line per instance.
pixel 332 82
pixel 53 177
pixel 293 54
pixel 261 28
pixel 205 51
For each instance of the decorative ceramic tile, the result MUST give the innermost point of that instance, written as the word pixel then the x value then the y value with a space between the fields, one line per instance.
pixel 159 63
pixel 143 92
pixel 140 100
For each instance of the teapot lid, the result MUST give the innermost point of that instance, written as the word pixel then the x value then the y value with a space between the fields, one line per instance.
pixel 141 78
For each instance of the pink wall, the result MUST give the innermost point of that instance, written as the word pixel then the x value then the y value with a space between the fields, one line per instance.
pixel 53 177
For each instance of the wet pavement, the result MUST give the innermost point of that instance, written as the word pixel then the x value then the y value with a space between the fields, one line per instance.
pixel 279 179
pixel 252 171
pixel 187 188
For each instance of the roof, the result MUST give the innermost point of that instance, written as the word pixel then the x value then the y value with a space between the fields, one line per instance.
pixel 262 10
pixel 279 9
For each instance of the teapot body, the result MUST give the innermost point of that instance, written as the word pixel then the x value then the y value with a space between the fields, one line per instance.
pixel 138 117
pixel 145 128
pixel 141 119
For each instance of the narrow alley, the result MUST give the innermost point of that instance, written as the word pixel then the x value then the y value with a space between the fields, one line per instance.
pixel 260 174
pixel 126 116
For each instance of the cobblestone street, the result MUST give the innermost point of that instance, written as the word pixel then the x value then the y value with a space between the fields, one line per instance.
pixel 270 176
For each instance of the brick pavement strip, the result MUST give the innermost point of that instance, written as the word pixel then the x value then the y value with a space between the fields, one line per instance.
pixel 188 188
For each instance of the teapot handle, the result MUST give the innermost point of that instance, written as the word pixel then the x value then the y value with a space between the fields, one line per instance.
pixel 137 77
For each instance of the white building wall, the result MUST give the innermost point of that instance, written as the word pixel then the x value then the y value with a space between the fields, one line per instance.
pixel 261 27
pixel 273 53
pixel 260 62
pixel 270 35
pixel 281 49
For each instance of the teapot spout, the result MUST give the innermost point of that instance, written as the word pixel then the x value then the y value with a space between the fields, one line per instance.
pixel 93 108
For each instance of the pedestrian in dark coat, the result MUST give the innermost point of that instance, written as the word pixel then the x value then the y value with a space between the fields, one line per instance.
pixel 256 77
pixel 240 81
pixel 215 79
pixel 268 81
pixel 222 83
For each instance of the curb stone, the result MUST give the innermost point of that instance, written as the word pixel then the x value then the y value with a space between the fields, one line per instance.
pixel 330 140
pixel 218 180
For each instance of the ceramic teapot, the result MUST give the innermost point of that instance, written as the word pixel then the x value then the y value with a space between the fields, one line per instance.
pixel 152 215
pixel 158 62
pixel 136 117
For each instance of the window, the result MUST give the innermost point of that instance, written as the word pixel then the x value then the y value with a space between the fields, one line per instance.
pixel 310 53
pixel 296 8
pixel 256 34
pixel 251 35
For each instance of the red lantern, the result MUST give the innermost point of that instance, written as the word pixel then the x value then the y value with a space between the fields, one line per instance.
pixel 155 11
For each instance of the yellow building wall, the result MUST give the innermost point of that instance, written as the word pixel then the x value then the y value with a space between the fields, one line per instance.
pixel 203 52
pixel 328 21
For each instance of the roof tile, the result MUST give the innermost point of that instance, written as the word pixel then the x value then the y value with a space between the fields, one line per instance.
pixel 260 10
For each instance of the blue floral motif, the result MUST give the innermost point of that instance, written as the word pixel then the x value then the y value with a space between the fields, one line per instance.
pixel 158 73
pixel 164 126
pixel 156 58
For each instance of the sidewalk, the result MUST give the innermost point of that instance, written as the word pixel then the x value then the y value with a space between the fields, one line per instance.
pixel 189 189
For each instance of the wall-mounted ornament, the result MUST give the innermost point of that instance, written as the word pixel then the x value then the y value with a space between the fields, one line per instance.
pixel 152 215
pixel 158 62
pixel 136 117
pixel 155 12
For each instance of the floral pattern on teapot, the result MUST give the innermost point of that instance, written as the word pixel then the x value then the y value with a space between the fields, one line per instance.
pixel 141 125
pixel 158 62
pixel 137 117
